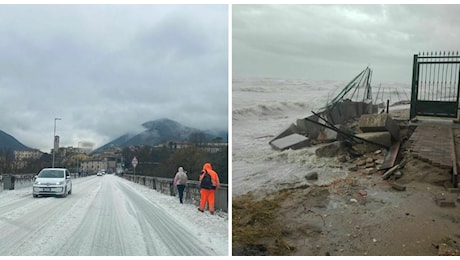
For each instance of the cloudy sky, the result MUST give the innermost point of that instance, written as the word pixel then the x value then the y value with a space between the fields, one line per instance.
pixel 106 69
pixel 337 42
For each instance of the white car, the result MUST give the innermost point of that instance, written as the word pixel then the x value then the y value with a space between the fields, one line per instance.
pixel 52 181
pixel 99 173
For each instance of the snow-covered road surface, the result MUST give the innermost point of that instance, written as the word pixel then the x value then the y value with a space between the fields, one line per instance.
pixel 107 216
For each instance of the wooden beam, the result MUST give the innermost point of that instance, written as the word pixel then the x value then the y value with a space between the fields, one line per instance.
pixel 391 156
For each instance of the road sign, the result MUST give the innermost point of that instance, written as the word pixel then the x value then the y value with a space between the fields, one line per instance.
pixel 134 162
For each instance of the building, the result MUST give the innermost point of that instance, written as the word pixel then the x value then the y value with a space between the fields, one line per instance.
pixel 208 147
pixel 94 165
pixel 23 157
pixel 214 147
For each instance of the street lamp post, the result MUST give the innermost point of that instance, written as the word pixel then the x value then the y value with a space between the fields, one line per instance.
pixel 78 159
pixel 54 139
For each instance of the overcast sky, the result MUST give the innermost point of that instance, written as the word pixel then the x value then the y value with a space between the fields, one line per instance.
pixel 106 69
pixel 337 42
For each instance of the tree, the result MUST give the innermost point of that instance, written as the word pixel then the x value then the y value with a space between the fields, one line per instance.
pixel 219 162
pixel 191 159
pixel 197 138
pixel 6 160
pixel 36 165
pixel 128 154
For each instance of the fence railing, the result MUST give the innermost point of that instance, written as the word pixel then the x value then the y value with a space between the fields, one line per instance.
pixel 191 192
pixel 435 84
pixel 16 181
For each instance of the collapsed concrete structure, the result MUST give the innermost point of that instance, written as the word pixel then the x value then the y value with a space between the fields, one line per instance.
pixel 355 127
pixel 347 106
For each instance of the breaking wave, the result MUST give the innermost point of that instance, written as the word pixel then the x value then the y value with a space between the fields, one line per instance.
pixel 272 110
pixel 277 97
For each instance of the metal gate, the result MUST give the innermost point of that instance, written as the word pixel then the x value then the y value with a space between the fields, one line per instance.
pixel 435 85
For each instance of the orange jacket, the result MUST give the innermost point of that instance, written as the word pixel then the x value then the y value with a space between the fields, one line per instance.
pixel 214 177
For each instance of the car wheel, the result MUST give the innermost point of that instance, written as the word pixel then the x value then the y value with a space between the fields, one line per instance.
pixel 70 192
pixel 35 195
pixel 65 193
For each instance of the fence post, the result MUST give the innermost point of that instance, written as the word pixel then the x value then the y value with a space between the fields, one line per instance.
pixel 414 87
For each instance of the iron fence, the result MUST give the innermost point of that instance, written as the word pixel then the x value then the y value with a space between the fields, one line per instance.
pixel 435 84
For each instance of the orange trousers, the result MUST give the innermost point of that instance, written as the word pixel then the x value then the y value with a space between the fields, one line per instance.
pixel 207 196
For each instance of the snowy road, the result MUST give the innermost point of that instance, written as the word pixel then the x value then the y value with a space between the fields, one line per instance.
pixel 107 216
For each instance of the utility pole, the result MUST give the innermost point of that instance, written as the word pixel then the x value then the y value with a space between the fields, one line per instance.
pixel 54 140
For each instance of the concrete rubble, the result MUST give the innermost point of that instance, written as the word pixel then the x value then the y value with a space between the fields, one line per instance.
pixel 293 141
pixel 321 127
pixel 343 119
pixel 359 133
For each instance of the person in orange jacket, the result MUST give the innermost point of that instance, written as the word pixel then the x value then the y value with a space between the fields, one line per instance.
pixel 209 183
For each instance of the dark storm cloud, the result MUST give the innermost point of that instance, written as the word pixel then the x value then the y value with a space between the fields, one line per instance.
pixel 106 69
pixel 338 41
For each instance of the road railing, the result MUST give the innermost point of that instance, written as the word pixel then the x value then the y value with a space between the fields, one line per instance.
pixel 191 192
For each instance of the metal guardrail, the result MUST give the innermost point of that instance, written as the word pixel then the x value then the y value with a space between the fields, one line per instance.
pixel 16 181
pixel 191 192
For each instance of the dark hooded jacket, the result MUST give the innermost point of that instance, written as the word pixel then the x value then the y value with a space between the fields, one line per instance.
pixel 214 177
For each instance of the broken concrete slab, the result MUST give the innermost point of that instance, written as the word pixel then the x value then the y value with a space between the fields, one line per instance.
pixel 444 200
pixel 350 109
pixel 369 171
pixel 446 203
pixel 383 138
pixel 292 129
pixel 379 123
pixel 391 156
pixel 398 186
pixel 362 193
pixel 311 129
pixel 293 141
pixel 334 116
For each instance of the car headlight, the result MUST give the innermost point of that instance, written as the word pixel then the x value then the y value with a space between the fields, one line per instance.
pixel 37 182
pixel 59 183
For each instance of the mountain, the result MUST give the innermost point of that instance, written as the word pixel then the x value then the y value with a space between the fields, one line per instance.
pixel 161 131
pixel 9 142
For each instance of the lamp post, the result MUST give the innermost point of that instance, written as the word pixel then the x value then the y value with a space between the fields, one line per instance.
pixel 54 140
pixel 78 159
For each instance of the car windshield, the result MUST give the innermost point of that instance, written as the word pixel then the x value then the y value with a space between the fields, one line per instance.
pixel 51 174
